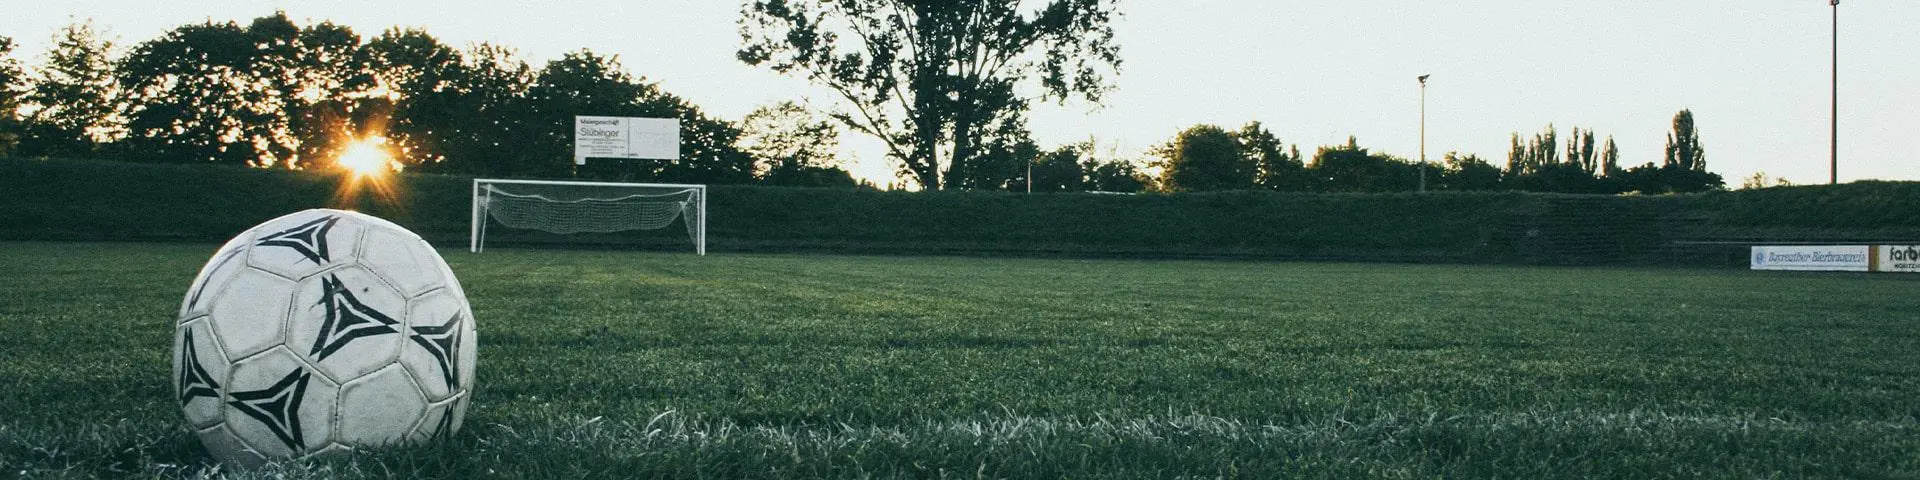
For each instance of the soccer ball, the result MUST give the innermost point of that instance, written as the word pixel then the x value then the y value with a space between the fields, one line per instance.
pixel 322 331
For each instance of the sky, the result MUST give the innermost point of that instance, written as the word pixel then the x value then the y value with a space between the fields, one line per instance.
pixel 1756 73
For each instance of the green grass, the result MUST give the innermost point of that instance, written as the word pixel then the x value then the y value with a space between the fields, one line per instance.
pixel 622 364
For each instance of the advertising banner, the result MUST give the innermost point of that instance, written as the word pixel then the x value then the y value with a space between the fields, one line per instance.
pixel 1836 258
pixel 625 137
pixel 1898 258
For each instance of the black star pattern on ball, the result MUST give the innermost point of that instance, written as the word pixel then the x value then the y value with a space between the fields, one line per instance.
pixel 194 380
pixel 443 342
pixel 347 319
pixel 278 406
pixel 310 239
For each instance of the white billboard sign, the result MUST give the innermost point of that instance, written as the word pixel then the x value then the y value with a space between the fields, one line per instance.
pixel 625 137
pixel 1899 258
pixel 1836 258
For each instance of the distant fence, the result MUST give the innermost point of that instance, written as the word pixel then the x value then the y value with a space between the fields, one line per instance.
pixel 90 200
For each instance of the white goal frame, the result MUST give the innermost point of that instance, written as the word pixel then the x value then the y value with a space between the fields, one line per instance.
pixel 481 203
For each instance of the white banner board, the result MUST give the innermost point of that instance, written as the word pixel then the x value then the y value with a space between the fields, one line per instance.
pixel 1833 258
pixel 1899 258
pixel 625 137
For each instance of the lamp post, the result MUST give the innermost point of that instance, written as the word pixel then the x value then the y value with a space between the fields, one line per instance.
pixel 1833 167
pixel 1423 130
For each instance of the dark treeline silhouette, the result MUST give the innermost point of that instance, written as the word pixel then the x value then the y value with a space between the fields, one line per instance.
pixel 276 94
pixel 272 93
pixel 1208 158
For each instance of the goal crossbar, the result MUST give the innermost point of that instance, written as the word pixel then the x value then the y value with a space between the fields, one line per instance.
pixel 599 207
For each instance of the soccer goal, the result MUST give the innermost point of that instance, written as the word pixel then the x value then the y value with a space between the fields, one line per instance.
pixel 567 208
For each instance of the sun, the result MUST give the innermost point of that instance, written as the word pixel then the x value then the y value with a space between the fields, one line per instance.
pixel 367 157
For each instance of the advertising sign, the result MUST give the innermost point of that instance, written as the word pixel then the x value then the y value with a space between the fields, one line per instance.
pixel 1899 258
pixel 1837 258
pixel 625 137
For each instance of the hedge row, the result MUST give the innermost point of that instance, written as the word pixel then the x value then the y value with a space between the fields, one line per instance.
pixel 89 200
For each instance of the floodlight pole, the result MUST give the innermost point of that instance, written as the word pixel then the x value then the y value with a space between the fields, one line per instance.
pixel 1423 130
pixel 1833 167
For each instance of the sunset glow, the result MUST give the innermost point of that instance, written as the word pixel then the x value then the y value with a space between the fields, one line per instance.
pixel 367 157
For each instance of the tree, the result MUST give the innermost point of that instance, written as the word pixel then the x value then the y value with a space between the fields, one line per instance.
pixel 485 118
pixel 1275 166
pixel 1466 172
pixel 1000 161
pixel 1350 168
pixel 11 76
pixel 186 95
pixel 1527 159
pixel 1115 176
pixel 1204 158
pixel 792 147
pixel 1580 151
pixel 934 77
pixel 1684 151
pixel 1060 170
pixel 1537 166
pixel 326 89
pixel 73 98
pixel 423 90
pixel 1610 159
pixel 1685 168
pixel 258 95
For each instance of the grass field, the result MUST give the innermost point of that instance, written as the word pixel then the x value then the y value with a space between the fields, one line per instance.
pixel 637 365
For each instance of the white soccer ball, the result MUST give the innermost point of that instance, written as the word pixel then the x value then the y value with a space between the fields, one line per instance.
pixel 322 331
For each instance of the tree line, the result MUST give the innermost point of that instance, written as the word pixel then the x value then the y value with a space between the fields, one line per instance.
pixel 944 85
pixel 1208 157
pixel 276 94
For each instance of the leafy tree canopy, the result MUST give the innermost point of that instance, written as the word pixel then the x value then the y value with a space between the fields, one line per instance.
pixel 935 80
pixel 11 77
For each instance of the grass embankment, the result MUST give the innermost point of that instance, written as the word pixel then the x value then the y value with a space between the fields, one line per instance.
pixel 671 365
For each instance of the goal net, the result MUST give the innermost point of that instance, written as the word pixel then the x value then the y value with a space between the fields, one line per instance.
pixel 567 208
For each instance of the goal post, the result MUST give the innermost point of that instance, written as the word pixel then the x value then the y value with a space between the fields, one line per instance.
pixel 564 208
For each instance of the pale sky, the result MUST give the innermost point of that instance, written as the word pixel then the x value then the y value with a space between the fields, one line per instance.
pixel 1755 73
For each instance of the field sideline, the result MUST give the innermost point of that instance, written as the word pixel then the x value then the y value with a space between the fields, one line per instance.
pixel 632 364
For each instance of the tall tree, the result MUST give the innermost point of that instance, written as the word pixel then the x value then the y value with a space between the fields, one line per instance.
pixel 1580 151
pixel 1545 149
pixel 1000 157
pixel 484 119
pixel 1610 159
pixel 1684 151
pixel 187 93
pixel 933 77
pixel 1117 175
pixel 417 84
pixel 1537 153
pixel 11 77
pixel 1685 169
pixel 1060 170
pixel 219 92
pixel 793 147
pixel 1351 168
pixel 1276 166
pixel 1516 157
pixel 327 91
pixel 73 97
pixel 1468 172
pixel 1203 158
